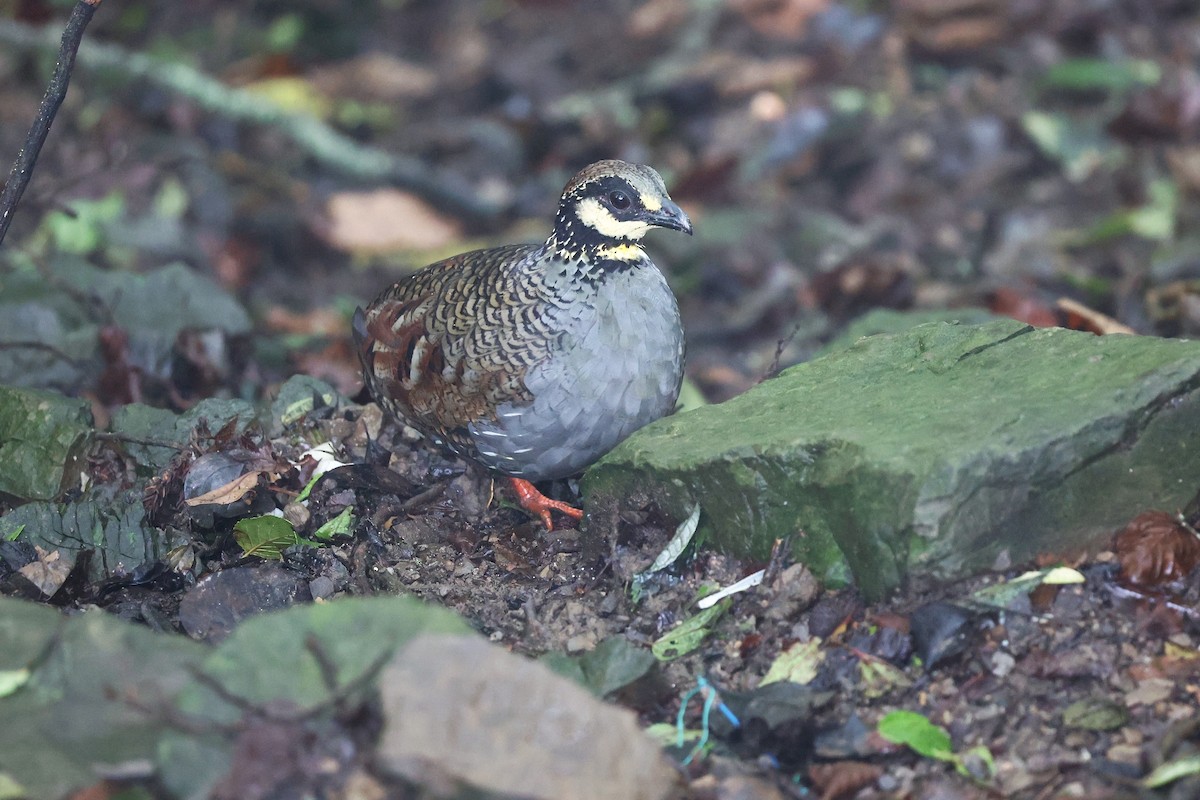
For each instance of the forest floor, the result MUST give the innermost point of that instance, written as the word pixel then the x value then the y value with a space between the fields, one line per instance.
pixel 835 159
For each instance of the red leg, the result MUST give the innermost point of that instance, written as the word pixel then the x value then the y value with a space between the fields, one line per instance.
pixel 535 502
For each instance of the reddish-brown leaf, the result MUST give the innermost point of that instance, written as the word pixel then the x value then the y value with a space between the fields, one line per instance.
pixel 842 778
pixel 1022 306
pixel 1156 548
pixel 1082 318
pixel 862 283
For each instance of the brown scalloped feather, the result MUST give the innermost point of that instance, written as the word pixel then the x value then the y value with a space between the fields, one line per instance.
pixel 445 346
pixel 585 322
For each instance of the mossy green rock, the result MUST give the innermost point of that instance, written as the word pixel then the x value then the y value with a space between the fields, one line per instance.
pixel 931 453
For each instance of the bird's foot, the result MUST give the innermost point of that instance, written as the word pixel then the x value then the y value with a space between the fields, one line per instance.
pixel 537 503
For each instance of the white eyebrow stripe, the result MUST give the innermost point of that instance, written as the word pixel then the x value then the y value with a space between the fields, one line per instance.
pixel 650 202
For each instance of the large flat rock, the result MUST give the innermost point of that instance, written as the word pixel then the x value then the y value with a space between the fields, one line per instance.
pixel 930 453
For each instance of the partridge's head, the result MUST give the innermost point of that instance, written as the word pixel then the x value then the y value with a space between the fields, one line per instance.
pixel 611 203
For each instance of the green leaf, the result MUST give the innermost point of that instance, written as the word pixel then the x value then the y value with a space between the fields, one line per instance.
pixel 878 677
pixel 14 534
pixel 143 424
pixel 171 202
pixel 285 32
pixel 977 763
pixel 1097 74
pixel 667 735
pixel 1095 714
pixel 43 437
pixel 689 634
pixel 82 231
pixel 1173 771
pixel 1063 576
pixel 82 681
pixel 1154 221
pixel 341 525
pixel 932 741
pixel 10 789
pixel 299 397
pixel 308 487
pixel 918 733
pixel 115 531
pixel 681 539
pixel 1005 593
pixel 565 665
pixel 798 664
pixel 274 656
pixel 1081 145
pixel 690 396
pixel 613 664
pixel 11 680
pixel 266 536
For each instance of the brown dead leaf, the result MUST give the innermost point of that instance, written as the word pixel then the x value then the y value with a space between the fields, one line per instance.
pixel 842 778
pixel 1022 305
pixel 510 560
pixel 955 26
pixel 658 17
pixel 749 76
pixel 104 790
pixel 235 261
pixel 317 322
pixel 1169 111
pixel 1042 598
pixel 1184 162
pixel 1156 548
pixel 376 76
pixel 337 364
pixel 1175 307
pixel 1150 691
pixel 231 492
pixel 1082 318
pixel 779 19
pixel 1176 662
pixel 386 220
pixel 48 572
pixel 861 283
pixel 120 382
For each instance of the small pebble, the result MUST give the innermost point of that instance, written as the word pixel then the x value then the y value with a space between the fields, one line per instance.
pixel 297 514
pixel 321 587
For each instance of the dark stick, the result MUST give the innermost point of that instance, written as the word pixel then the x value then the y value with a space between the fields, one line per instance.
pixel 56 92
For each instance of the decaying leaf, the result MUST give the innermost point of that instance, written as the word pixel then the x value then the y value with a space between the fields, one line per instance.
pixel 386 220
pixel 48 572
pixel 798 663
pixel 231 492
pixel 1156 548
pixel 1083 318
pixel 843 778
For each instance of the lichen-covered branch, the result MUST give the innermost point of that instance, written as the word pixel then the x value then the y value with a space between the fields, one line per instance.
pixel 316 138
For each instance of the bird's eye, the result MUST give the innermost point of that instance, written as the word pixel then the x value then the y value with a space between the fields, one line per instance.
pixel 619 200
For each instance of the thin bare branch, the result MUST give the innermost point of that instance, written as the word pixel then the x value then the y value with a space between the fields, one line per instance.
pixel 56 92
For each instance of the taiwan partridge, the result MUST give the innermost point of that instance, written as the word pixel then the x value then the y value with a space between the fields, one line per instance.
pixel 536 360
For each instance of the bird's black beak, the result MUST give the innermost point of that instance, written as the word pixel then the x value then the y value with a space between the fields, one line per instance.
pixel 670 216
